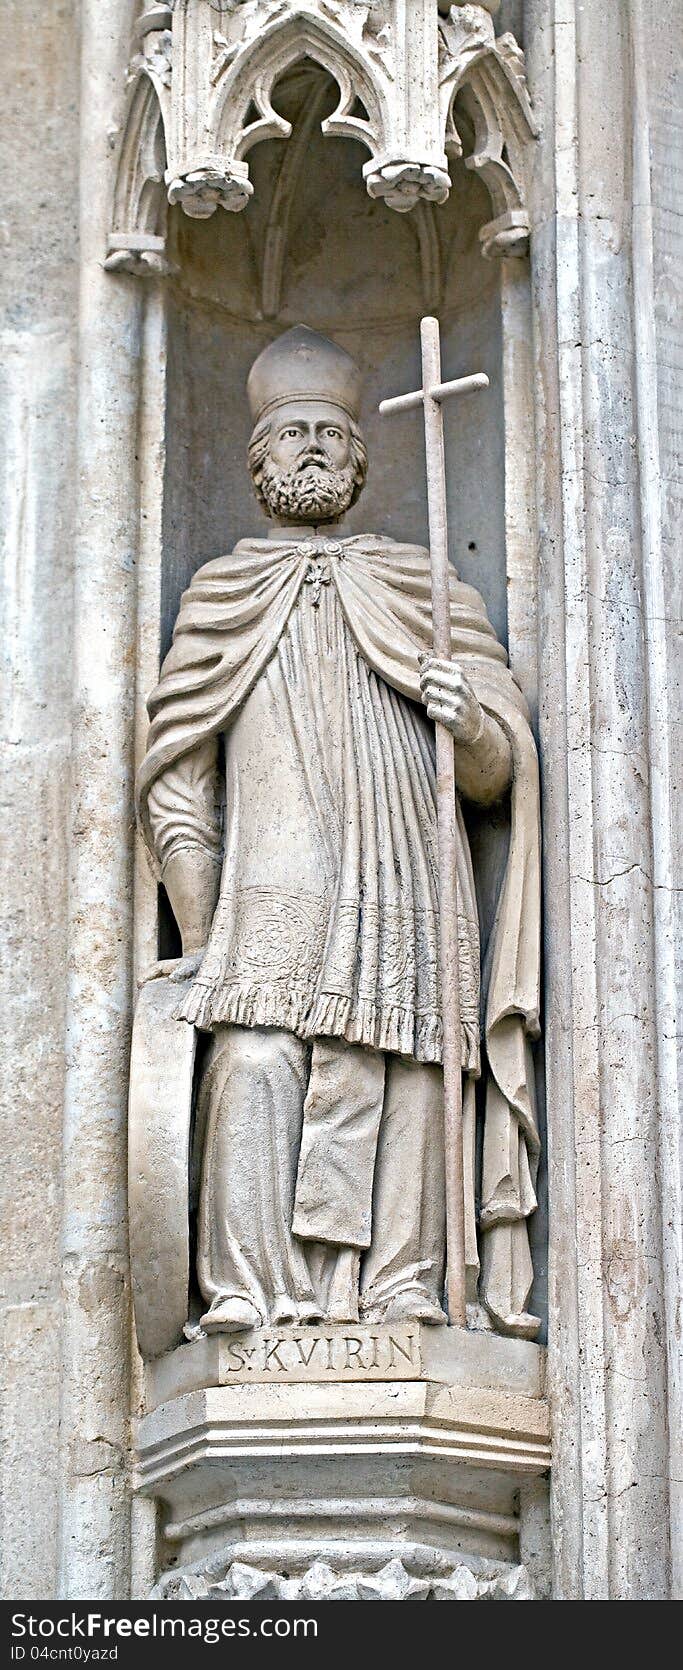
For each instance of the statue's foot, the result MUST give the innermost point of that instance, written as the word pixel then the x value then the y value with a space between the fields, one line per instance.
pixel 409 1306
pixel 287 1312
pixel 231 1316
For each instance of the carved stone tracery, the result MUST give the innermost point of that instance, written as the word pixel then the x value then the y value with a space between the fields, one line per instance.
pixel 413 89
pixel 485 77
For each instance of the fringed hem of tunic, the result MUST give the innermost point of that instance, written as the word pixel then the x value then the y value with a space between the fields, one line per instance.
pixel 383 1027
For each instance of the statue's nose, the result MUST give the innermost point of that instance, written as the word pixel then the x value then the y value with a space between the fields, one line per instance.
pixel 313 455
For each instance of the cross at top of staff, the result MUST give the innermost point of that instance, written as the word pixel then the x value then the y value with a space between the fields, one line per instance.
pixel 440 391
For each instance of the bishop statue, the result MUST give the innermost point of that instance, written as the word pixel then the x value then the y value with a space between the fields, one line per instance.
pixel 288 799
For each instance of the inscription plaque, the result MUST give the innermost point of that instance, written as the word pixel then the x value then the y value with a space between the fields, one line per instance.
pixel 331 1353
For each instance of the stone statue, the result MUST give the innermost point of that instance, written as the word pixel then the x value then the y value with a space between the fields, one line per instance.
pixel 288 799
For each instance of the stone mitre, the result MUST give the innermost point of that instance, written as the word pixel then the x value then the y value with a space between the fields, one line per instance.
pixel 302 365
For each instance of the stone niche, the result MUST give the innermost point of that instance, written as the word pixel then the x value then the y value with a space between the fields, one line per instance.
pixel 312 246
pixel 332 1462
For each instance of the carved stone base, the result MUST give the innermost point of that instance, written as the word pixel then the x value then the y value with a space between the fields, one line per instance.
pixel 385 1460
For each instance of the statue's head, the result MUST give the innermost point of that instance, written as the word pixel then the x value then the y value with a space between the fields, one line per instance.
pixel 306 454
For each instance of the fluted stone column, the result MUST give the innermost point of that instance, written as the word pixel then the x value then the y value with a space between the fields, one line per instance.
pixel 38 306
pixel 94 1503
pixel 606 752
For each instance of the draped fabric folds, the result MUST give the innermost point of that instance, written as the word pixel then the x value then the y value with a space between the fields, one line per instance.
pixel 230 623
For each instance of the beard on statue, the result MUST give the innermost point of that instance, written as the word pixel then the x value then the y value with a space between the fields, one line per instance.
pixel 312 491
pixel 298 478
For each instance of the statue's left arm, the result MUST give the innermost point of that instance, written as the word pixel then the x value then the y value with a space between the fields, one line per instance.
pixel 483 758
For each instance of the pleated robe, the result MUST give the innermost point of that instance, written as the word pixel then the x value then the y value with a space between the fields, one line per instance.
pixel 327 922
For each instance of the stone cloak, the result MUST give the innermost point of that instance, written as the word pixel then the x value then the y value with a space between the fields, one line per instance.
pixel 229 624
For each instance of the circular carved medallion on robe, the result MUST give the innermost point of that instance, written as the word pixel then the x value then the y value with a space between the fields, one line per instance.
pixel 278 933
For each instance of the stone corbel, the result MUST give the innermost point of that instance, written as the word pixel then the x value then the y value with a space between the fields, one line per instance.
pixel 408 72
pixel 411 1474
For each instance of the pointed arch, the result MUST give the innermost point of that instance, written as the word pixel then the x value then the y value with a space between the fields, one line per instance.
pixel 137 240
pixel 489 88
pixel 252 76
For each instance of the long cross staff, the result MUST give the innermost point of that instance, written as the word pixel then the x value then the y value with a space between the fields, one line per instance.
pixel 430 397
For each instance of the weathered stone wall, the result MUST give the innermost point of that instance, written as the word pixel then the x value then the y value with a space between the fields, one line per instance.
pixel 606 268
pixel 658 279
pixel 39 80
pixel 607 756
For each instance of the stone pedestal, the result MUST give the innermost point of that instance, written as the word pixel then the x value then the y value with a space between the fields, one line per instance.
pixel 330 1458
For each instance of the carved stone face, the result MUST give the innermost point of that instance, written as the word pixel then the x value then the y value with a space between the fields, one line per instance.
pixel 310 430
pixel 307 461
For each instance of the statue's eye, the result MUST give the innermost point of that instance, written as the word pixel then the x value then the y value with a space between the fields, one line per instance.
pixel 334 434
pixel 290 434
